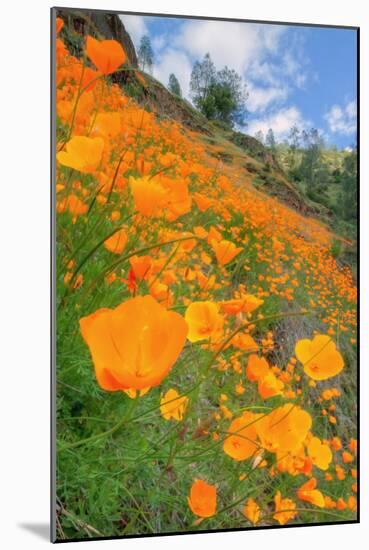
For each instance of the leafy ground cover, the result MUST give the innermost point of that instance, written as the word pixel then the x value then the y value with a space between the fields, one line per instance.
pixel 206 335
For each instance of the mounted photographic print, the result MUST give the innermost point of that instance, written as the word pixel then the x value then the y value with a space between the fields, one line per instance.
pixel 204 259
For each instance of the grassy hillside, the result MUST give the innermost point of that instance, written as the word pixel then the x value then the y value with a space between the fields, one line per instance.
pixel 327 194
pixel 206 334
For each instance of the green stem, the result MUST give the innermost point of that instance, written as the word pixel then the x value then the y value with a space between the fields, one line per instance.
pixel 141 512
pixel 116 174
pixel 115 264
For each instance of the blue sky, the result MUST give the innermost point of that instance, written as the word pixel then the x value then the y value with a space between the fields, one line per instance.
pixel 304 76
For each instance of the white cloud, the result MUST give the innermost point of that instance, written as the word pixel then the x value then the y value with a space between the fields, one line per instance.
pixel 290 64
pixel 243 47
pixel 292 68
pixel 270 60
pixel 300 80
pixel 159 42
pixel 177 62
pixel 261 98
pixel 351 109
pixel 280 122
pixel 342 120
pixel 233 44
pixel 135 26
pixel 264 71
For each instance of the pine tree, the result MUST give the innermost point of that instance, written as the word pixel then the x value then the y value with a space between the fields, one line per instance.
pixel 270 140
pixel 174 86
pixel 219 95
pixel 259 136
pixel 202 78
pixel 349 186
pixel 145 54
pixel 312 168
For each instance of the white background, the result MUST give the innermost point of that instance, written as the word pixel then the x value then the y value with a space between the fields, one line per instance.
pixel 24 272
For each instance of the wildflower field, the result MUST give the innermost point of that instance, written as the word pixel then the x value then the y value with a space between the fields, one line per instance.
pixel 206 335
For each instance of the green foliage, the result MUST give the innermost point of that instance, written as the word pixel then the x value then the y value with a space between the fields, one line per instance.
pixel 174 86
pixel 336 248
pixel 349 188
pixel 219 95
pixel 270 140
pixel 312 168
pixel 325 176
pixel 135 479
pixel 259 136
pixel 73 41
pixel 145 54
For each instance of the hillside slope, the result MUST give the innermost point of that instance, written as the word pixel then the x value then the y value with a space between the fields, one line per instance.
pixel 205 331
pixel 258 164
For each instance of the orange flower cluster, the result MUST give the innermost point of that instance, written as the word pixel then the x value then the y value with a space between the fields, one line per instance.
pixel 186 280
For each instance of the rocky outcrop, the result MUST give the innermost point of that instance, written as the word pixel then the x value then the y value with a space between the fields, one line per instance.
pixel 254 148
pixel 101 24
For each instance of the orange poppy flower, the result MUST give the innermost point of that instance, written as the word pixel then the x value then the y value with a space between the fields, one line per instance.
pixel 203 499
pixel 89 80
pixel 115 215
pixel 106 55
pixel 353 445
pixel 200 232
pixel 178 199
pixel 247 303
pixel 162 293
pixel 320 454
pixel 284 509
pixel 86 78
pixel 251 510
pixel 203 203
pixel 134 345
pixel 132 393
pixel 284 428
pixel 319 356
pixel 294 463
pixel 347 457
pixel 148 196
pixel 257 368
pixel 204 321
pixel 82 153
pixel 117 242
pixel 245 342
pixel 336 443
pixel 214 235
pixel 329 503
pixel 60 50
pixel 77 281
pixel 72 204
pixel 242 444
pixel 59 24
pixel 269 385
pixel 225 251
pixel 352 503
pixel 141 266
pixel 173 409
pixel 64 109
pixel 309 493
pixel 107 124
